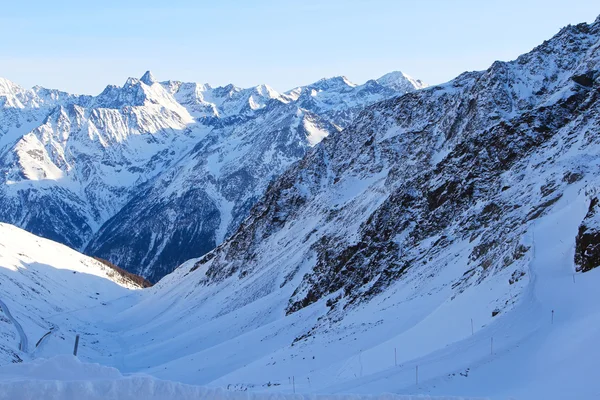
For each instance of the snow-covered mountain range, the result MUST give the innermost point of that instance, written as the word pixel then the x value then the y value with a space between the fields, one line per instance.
pixel 445 242
pixel 150 174
pixel 454 203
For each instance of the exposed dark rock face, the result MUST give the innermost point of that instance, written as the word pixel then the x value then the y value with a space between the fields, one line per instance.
pixel 187 226
pixel 587 242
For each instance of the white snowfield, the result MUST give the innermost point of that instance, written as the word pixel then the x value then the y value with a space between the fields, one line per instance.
pixel 40 279
pixel 67 378
pixel 168 332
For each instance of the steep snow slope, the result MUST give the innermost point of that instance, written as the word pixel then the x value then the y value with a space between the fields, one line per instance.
pixel 40 279
pixel 429 211
pixel 87 171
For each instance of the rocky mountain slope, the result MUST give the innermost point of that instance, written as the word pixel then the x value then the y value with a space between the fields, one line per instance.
pixel 454 203
pixel 473 161
pixel 150 174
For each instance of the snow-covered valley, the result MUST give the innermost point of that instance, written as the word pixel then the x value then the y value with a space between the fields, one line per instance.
pixel 443 243
pixel 544 347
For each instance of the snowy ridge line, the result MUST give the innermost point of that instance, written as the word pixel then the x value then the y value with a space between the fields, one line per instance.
pixel 92 166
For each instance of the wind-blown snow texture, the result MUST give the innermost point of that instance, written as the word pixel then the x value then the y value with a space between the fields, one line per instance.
pixel 438 233
pixel 151 174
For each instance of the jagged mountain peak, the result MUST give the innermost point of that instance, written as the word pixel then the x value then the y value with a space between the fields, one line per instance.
pixel 7 86
pixel 400 81
pixel 148 78
pixel 11 94
pixel 333 83
pixel 111 144
pixel 138 93
pixel 228 90
pixel 266 90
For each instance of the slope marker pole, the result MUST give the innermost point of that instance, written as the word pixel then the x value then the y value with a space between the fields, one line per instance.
pixel 76 345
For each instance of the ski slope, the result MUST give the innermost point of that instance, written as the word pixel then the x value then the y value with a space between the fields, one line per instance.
pixel 41 280
pixel 534 354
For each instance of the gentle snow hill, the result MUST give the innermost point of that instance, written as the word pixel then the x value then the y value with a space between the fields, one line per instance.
pixel 150 174
pixel 40 279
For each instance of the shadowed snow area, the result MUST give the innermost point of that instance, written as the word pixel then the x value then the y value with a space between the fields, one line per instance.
pixel 40 280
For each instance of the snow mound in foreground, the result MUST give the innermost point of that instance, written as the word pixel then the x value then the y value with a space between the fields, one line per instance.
pixel 66 377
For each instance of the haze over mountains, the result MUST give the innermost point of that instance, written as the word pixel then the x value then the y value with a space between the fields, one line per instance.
pixel 150 174
pixel 357 239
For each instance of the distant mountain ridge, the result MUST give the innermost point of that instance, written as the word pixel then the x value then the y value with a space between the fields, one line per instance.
pixel 150 174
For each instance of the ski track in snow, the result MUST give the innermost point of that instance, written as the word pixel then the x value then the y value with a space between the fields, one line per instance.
pixel 23 343
pixel 550 307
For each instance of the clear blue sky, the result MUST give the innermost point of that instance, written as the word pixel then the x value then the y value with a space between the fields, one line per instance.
pixel 81 46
